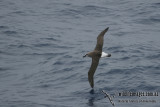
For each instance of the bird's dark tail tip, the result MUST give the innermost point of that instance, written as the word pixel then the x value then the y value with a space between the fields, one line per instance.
pixel 109 55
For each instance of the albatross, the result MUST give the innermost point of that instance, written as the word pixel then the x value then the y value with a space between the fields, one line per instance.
pixel 96 54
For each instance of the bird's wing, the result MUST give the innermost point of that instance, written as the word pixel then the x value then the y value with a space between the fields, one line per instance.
pixel 95 61
pixel 100 40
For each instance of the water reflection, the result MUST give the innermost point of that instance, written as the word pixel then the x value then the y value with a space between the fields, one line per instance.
pixel 91 98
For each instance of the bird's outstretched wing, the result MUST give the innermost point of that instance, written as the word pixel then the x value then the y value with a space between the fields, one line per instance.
pixel 95 61
pixel 99 44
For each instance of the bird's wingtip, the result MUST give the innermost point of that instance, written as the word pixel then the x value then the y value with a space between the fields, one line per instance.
pixel 107 28
pixel 92 86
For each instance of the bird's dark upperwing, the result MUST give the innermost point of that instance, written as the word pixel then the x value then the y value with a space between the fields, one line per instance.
pixel 100 40
pixel 95 61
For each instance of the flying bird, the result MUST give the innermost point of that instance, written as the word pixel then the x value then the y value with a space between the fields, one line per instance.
pixel 96 54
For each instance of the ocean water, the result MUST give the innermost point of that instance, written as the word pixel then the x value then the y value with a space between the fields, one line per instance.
pixel 42 43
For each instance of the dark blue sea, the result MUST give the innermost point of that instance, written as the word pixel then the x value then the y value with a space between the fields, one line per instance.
pixel 42 43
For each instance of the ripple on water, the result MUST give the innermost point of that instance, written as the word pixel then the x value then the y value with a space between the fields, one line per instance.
pixel 67 56
pixel 3 27
pixel 117 49
pixel 77 62
pixel 50 39
pixel 43 54
pixel 4 69
pixel 58 46
pixel 125 70
pixel 125 58
pixel 153 56
pixel 58 63
pixel 9 32
pixel 147 87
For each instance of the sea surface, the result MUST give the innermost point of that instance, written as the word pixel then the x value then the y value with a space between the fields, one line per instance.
pixel 42 43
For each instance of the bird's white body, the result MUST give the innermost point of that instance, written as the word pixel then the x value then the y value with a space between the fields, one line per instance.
pixel 104 55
